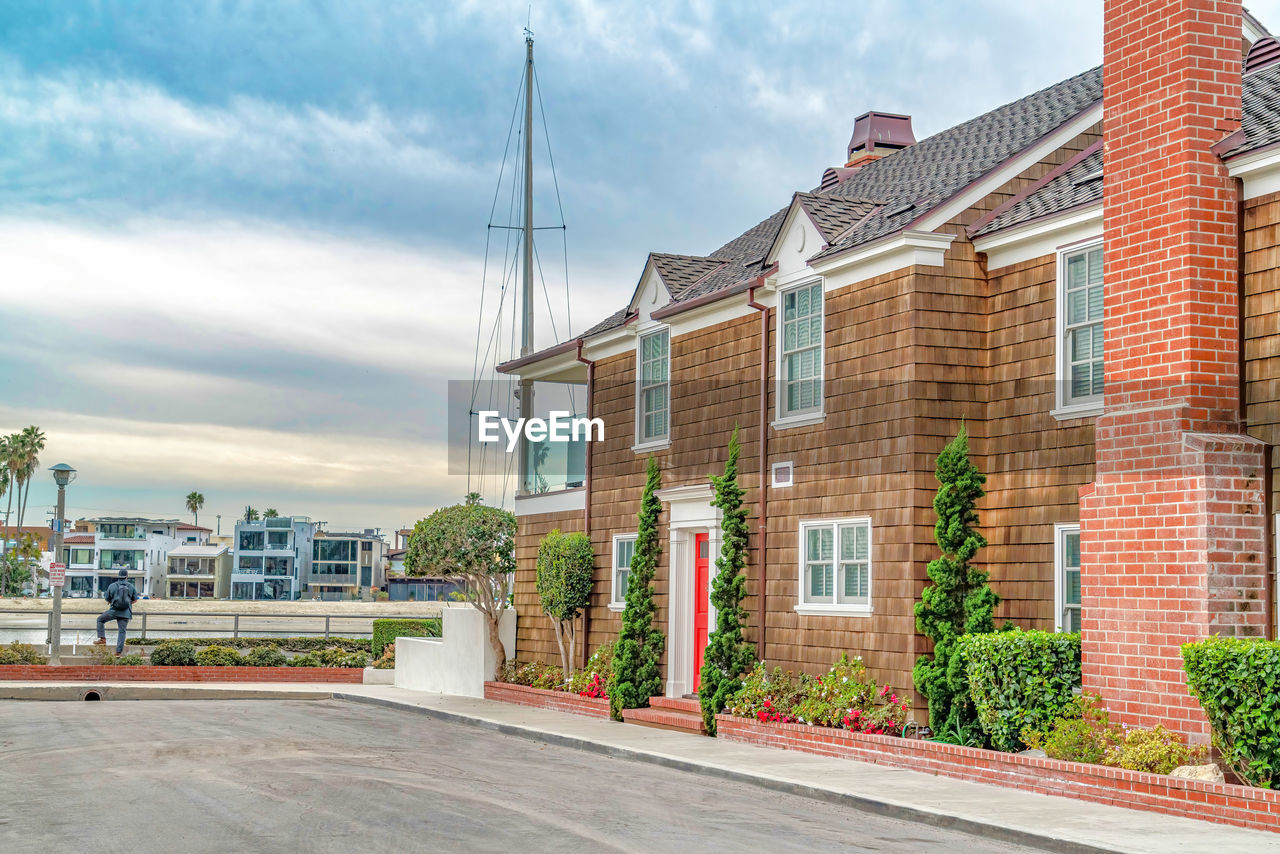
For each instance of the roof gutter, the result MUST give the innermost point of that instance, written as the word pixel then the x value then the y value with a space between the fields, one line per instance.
pixel 745 286
pixel 586 492
pixel 763 546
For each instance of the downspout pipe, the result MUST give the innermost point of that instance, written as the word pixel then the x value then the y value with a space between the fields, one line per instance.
pixel 586 494
pixel 764 464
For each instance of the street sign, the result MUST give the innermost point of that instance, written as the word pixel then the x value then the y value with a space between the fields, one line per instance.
pixel 57 574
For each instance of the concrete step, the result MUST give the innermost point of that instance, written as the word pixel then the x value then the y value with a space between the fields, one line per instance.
pixel 666 718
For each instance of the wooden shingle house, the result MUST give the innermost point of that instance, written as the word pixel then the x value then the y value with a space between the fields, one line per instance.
pixel 1109 336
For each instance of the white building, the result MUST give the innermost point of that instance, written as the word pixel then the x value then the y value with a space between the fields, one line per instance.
pixel 138 545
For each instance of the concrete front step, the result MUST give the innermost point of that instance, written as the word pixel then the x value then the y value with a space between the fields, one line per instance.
pixel 677 719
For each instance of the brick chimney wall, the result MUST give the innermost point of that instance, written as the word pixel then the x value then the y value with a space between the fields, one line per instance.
pixel 1172 530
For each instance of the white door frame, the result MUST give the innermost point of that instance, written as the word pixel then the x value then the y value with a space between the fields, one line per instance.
pixel 689 512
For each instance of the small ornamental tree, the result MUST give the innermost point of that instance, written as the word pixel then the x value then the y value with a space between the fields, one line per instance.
pixel 565 566
pixel 635 658
pixel 959 602
pixel 476 545
pixel 727 656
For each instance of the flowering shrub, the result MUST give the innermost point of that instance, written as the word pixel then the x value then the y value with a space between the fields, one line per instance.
pixel 597 673
pixel 842 698
pixel 533 674
pixel 1086 734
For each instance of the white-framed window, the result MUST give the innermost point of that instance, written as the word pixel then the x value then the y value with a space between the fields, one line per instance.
pixel 1080 330
pixel 835 567
pixel 783 474
pixel 653 387
pixel 624 549
pixel 800 363
pixel 1066 577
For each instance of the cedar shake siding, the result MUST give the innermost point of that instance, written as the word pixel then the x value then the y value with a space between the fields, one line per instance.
pixel 1262 326
pixel 534 639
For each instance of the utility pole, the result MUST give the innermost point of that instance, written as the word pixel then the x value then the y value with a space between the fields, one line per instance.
pixel 526 326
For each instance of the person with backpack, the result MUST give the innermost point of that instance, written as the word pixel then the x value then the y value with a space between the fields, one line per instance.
pixel 120 597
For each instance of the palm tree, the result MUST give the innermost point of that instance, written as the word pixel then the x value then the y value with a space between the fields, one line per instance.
pixel 11 463
pixel 195 501
pixel 250 515
pixel 30 443
pixel 270 513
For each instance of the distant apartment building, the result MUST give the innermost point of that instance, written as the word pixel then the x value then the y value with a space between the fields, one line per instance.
pixel 137 545
pixel 272 557
pixel 346 566
pixel 198 572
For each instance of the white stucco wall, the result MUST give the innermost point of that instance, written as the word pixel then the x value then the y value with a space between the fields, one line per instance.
pixel 459 662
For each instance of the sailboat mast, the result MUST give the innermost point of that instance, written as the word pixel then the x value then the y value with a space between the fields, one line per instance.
pixel 526 326
pixel 526 329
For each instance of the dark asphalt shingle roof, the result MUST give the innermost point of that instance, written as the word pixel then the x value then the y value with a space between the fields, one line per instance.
pixel 1080 184
pixel 872 203
pixel 1261 119
pixel 679 272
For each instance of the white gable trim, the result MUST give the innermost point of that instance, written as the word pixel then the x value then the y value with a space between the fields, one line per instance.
pixel 903 249
pixel 1259 172
pixel 1009 170
pixel 651 293
pixel 1040 238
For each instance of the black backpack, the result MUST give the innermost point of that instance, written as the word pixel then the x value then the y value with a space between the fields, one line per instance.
pixel 121 599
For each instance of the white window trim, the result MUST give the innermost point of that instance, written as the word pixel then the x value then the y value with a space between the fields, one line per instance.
pixel 1063 409
pixel 616 604
pixel 824 609
pixel 782 419
pixel 1060 531
pixel 657 443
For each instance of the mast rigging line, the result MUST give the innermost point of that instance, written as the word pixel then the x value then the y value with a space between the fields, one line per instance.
pixel 528 95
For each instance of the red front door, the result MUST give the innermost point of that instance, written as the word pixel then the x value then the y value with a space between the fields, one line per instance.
pixel 701 573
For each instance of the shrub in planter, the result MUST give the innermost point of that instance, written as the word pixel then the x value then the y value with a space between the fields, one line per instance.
pixel 21 653
pixel 1237 682
pixel 386 661
pixel 330 658
pixel 218 656
pixel 265 656
pixel 130 660
pixel 174 653
pixel 842 698
pixel 1019 680
pixel 767 696
pixel 828 699
pixel 298 644
pixel 1085 733
pixel 533 674
pixel 100 656
pixel 386 631
pixel 593 680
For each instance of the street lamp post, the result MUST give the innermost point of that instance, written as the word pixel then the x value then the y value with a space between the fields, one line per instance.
pixel 62 475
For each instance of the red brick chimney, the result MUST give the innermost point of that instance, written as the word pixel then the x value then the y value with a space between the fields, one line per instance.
pixel 1172 530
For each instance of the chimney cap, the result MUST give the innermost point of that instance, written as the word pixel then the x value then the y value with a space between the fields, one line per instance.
pixel 874 129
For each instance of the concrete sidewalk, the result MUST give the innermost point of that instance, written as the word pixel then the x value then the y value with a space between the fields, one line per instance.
pixel 992 812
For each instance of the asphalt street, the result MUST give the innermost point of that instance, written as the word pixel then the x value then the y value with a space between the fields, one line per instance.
pixel 330 776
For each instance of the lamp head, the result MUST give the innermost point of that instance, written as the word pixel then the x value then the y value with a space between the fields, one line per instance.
pixel 62 474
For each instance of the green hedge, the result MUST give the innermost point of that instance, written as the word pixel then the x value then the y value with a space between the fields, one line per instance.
pixel 1237 682
pixel 218 656
pixel 1020 681
pixel 174 653
pixel 386 631
pixel 300 644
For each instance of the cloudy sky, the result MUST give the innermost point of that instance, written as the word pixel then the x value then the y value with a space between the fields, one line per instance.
pixel 241 243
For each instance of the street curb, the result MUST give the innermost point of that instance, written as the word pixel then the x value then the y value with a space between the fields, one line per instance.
pixel 864 803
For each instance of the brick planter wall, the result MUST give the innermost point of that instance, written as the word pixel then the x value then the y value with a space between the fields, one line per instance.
pixel 541 698
pixel 153 673
pixel 1240 805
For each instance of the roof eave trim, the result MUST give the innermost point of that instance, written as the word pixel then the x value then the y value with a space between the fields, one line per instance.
pixel 715 296
pixel 894 251
pixel 1258 171
pixel 1041 236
